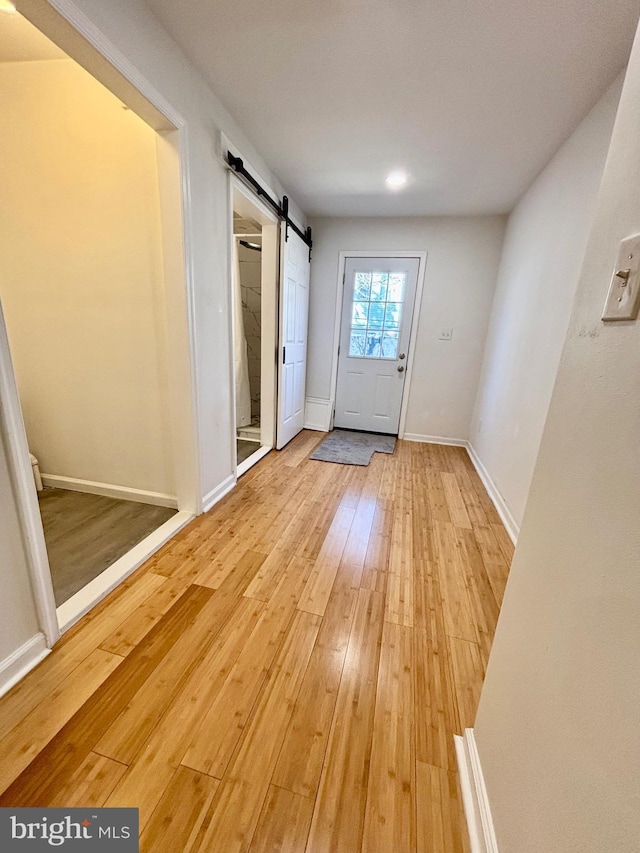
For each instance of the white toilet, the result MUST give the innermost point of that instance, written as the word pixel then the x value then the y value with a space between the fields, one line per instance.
pixel 36 472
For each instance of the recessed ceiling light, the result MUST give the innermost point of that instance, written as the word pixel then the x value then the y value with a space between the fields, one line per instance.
pixel 7 6
pixel 396 180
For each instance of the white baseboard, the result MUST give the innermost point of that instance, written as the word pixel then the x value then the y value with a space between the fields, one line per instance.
pixel 317 414
pixel 434 439
pixel 108 490
pixel 86 598
pixel 474 795
pixel 218 493
pixel 22 661
pixel 511 525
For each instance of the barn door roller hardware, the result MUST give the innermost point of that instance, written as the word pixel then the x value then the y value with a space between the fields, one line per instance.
pixel 282 209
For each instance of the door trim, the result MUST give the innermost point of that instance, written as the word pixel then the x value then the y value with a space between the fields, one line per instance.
pixel 422 264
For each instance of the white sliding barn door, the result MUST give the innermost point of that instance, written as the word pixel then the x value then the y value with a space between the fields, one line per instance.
pixel 292 356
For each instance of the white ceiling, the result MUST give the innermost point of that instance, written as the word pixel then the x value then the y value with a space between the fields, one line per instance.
pixel 20 41
pixel 471 98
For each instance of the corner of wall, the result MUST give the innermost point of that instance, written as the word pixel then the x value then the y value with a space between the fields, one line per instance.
pixel 22 661
pixel 542 254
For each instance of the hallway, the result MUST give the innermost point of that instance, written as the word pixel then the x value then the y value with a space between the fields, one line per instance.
pixel 291 666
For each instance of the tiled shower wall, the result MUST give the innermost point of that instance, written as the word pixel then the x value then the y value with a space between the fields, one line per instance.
pixel 251 310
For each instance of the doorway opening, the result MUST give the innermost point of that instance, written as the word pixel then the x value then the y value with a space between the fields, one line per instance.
pixel 248 333
pixel 88 271
pixel 254 301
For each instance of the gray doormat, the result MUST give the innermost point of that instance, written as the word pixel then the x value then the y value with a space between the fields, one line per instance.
pixel 353 448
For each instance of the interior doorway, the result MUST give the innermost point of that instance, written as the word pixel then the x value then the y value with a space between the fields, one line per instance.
pixel 254 303
pixel 92 297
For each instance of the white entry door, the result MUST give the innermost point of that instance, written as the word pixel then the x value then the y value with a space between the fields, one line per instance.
pixel 294 315
pixel 377 309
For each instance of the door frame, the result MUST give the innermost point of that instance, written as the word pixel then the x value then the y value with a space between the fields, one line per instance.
pixel 270 282
pixel 81 40
pixel 413 335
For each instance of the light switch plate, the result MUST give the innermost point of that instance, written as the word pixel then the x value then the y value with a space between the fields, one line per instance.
pixel 623 299
pixel 446 334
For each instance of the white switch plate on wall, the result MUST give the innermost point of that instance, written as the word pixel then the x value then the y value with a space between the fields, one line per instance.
pixel 623 299
pixel 446 334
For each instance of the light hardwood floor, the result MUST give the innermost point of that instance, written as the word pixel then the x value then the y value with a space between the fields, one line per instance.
pixel 287 673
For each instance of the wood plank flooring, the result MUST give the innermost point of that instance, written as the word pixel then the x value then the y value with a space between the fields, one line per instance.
pixel 85 534
pixel 287 673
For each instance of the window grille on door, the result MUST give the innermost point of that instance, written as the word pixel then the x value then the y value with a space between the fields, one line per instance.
pixel 376 314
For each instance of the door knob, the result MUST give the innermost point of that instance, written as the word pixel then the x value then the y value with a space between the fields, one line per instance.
pixel 401 368
pixel 402 355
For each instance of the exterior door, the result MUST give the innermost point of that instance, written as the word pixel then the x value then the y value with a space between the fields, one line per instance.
pixel 294 314
pixel 377 309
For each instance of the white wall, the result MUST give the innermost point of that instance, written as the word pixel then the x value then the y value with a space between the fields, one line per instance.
pixel 462 264
pixel 81 277
pixel 557 727
pixel 543 251
pixel 130 34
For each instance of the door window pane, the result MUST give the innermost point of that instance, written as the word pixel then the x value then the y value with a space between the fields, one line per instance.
pixel 373 345
pixel 356 344
pixel 390 345
pixel 360 315
pixel 379 286
pixel 362 285
pixel 392 315
pixel 396 286
pixel 376 314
